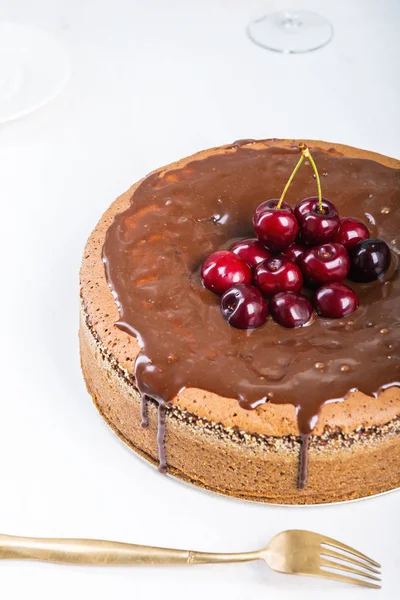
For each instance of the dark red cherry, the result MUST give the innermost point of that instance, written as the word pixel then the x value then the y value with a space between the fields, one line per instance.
pixel 325 263
pixel 291 309
pixel 251 251
pixel 319 228
pixel 350 232
pixel 370 259
pixel 278 274
pixel 294 251
pixel 244 307
pixel 276 228
pixel 311 204
pixel 335 300
pixel 223 269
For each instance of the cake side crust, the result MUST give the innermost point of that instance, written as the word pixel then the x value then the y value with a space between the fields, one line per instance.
pixel 234 462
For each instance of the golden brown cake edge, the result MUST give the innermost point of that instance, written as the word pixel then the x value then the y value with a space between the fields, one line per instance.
pixel 238 464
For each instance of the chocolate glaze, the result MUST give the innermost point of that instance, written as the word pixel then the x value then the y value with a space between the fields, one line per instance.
pixel 153 253
pixel 144 412
pixel 303 461
pixel 162 459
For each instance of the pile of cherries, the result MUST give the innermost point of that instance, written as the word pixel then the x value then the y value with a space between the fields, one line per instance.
pixel 310 244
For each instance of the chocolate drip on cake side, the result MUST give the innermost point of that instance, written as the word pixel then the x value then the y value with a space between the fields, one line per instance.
pixel 144 411
pixel 303 461
pixel 161 428
pixel 153 254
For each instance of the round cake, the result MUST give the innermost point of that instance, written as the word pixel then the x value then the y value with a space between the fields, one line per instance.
pixel 283 415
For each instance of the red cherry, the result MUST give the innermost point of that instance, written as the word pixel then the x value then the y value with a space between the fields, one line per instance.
pixel 244 307
pixel 335 300
pixel 223 269
pixel 278 274
pixel 319 228
pixel 325 263
pixel 351 231
pixel 291 309
pixel 251 251
pixel 276 228
pixel 294 251
pixel 311 204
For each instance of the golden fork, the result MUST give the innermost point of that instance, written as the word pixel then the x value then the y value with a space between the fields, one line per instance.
pixel 294 552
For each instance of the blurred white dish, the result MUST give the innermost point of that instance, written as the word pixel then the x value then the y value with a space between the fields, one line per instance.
pixel 34 67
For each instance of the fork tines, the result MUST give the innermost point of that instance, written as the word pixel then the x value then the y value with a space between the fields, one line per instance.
pixel 343 562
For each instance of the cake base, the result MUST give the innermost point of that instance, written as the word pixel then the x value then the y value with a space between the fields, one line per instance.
pixel 238 464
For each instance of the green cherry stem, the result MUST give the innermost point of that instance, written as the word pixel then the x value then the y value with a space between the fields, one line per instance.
pixel 307 154
pixel 287 186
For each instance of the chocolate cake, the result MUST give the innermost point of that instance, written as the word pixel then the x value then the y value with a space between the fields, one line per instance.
pixel 235 411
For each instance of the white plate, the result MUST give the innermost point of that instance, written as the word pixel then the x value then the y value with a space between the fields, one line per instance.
pixel 34 67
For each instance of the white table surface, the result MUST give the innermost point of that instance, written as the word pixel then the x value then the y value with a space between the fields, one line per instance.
pixel 153 81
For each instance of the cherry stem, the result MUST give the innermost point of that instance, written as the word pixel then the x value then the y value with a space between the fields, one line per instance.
pixel 287 186
pixel 307 154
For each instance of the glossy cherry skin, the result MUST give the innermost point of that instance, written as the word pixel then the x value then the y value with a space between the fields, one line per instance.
pixel 251 251
pixel 311 204
pixel 291 309
pixel 294 251
pixel 278 274
pixel 244 307
pixel 319 228
pixel 275 228
pixel 335 301
pixel 370 259
pixel 223 269
pixel 325 263
pixel 350 232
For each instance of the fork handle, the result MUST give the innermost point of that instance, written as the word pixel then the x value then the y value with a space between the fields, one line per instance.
pixel 98 552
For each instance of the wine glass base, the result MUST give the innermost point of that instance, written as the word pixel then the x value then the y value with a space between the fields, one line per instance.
pixel 34 67
pixel 291 32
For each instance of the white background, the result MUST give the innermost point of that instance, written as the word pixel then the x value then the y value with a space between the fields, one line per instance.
pixel 153 81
